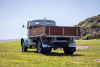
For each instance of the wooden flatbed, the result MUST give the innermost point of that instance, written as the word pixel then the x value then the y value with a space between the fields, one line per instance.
pixel 54 31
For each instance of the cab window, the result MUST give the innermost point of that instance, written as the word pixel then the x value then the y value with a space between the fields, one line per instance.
pixel 28 23
pixel 48 22
pixel 38 22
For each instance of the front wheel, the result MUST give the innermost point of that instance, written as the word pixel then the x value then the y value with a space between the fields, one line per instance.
pixel 39 46
pixel 24 48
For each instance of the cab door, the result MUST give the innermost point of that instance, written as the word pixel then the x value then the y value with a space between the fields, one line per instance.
pixel 29 40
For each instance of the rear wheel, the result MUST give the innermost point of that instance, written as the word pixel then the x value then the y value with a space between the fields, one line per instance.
pixel 66 50
pixel 41 49
pixel 50 49
pixel 24 48
pixel 31 46
pixel 71 52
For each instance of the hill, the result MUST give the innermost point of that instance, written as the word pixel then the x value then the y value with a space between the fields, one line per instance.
pixel 90 28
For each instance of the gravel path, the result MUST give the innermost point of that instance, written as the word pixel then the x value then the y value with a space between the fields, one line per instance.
pixel 9 40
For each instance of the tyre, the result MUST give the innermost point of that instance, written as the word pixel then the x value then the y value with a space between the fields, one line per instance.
pixel 24 48
pixel 66 50
pixel 50 49
pixel 71 52
pixel 39 46
pixel 31 46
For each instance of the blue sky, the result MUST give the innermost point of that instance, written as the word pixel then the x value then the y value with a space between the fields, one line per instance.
pixel 15 13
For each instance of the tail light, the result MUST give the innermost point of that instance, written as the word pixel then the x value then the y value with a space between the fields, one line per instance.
pixel 80 36
pixel 45 35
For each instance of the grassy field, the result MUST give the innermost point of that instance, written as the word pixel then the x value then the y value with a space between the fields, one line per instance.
pixel 95 39
pixel 11 56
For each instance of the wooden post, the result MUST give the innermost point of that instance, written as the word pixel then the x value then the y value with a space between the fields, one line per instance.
pixel 63 31
pixel 77 31
pixel 49 30
pixel 33 30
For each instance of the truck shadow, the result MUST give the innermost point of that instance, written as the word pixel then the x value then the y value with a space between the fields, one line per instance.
pixel 61 54
pixel 57 54
pixel 32 51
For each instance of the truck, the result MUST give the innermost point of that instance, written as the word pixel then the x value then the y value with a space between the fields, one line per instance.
pixel 44 35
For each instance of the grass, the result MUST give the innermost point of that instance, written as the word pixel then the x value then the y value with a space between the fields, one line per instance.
pixel 11 56
pixel 96 39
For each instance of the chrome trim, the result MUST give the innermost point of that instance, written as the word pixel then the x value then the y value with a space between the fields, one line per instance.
pixel 62 36
pixel 72 46
pixel 60 41
pixel 49 30
pixel 56 36
pixel 46 45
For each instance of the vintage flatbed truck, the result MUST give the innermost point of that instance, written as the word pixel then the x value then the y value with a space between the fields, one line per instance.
pixel 45 35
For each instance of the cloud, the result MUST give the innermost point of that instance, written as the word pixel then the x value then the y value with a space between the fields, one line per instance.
pixel 13 21
pixel 1 21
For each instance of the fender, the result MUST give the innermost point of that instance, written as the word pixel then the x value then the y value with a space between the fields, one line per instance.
pixel 44 45
pixel 73 44
pixel 25 38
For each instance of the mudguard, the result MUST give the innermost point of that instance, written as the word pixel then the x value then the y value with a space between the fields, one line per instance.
pixel 72 44
pixel 45 45
pixel 25 38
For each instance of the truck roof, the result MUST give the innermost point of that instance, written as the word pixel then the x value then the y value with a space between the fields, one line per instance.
pixel 41 20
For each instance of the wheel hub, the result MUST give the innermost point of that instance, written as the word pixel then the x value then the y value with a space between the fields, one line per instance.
pixel 39 47
pixel 23 46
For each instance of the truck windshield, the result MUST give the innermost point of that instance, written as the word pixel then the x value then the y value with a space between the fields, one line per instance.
pixel 48 22
pixel 38 22
pixel 42 23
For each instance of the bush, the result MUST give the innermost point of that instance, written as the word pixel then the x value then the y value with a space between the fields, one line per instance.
pixel 93 26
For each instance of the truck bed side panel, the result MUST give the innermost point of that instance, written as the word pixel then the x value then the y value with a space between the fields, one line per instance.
pixel 54 30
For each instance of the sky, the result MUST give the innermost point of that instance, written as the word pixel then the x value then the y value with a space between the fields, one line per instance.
pixel 15 13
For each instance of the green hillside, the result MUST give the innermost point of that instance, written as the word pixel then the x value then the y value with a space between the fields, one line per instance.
pixel 90 28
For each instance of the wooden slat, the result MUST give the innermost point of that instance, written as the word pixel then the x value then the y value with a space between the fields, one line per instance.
pixel 54 30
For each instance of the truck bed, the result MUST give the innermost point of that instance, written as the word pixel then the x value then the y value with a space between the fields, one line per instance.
pixel 53 31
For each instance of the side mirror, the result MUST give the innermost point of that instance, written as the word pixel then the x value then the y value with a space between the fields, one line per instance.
pixel 23 26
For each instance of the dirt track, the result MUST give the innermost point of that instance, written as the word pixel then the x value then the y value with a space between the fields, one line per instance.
pixel 11 40
pixel 82 47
